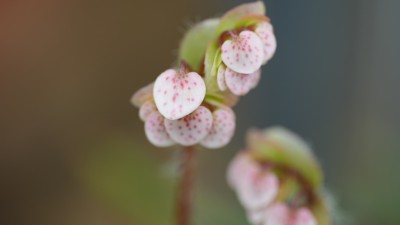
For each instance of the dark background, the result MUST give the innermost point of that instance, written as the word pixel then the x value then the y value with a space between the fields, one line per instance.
pixel 73 151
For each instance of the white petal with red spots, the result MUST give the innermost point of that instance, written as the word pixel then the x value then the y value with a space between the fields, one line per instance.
pixel 243 54
pixel 221 78
pixel 222 130
pixel 266 33
pixel 241 84
pixel 155 130
pixel 177 95
pixel 192 128
pixel 146 109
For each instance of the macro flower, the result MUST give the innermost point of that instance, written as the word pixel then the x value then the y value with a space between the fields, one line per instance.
pixel 174 112
pixel 243 51
pixel 178 93
pixel 255 186
pixel 276 180
pixel 190 104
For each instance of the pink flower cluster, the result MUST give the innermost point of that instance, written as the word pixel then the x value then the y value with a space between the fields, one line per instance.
pixel 174 112
pixel 242 55
pixel 175 108
pixel 257 187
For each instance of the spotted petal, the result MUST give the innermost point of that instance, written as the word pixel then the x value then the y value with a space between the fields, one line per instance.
pixel 155 130
pixel 222 130
pixel 244 53
pixel 221 78
pixel 240 167
pixel 266 33
pixel 146 109
pixel 177 95
pixel 142 95
pixel 258 189
pixel 241 84
pixel 192 128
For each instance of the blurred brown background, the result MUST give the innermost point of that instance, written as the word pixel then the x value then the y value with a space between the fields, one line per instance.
pixel 73 151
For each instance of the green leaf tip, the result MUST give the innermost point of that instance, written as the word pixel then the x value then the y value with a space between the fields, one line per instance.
pixel 195 42
pixel 279 145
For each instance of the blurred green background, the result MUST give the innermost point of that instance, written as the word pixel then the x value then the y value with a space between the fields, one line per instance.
pixel 73 151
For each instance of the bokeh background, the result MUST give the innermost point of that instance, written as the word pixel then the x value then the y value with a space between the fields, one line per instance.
pixel 73 151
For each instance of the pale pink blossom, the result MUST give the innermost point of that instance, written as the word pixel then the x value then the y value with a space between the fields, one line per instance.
pixel 243 53
pixel 266 33
pixel 255 186
pixel 222 130
pixel 192 128
pixel 240 84
pixel 177 95
pixel 155 130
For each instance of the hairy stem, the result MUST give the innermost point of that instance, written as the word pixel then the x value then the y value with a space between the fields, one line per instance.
pixel 185 186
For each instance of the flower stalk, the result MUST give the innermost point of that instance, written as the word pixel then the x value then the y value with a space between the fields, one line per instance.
pixel 185 186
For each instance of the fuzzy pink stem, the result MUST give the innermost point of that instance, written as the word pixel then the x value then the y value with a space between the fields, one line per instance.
pixel 185 188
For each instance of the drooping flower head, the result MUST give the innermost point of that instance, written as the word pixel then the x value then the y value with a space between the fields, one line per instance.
pixel 278 180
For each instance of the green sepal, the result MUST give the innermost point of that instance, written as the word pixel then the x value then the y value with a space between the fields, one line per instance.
pixel 221 99
pixel 210 58
pixel 211 69
pixel 280 146
pixel 195 42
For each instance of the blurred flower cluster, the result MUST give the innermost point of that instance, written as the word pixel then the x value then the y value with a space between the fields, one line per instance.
pixel 219 60
pixel 278 180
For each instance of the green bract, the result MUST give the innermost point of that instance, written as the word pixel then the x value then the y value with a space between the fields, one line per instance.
pixel 195 42
pixel 278 145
